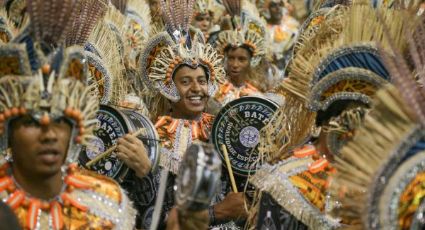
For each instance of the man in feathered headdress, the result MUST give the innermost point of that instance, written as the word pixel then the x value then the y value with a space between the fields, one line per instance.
pixel 182 73
pixel 47 114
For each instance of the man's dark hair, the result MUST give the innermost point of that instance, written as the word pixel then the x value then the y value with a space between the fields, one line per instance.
pixel 335 109
pixel 250 51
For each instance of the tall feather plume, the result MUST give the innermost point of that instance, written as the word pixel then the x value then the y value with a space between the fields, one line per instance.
pixel 177 14
pixel 402 76
pixel 114 17
pixel 89 12
pixel 417 50
pixel 385 127
pixel 50 19
pixel 233 7
pixel 105 42
pixel 121 5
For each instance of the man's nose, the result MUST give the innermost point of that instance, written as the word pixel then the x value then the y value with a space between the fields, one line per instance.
pixel 48 133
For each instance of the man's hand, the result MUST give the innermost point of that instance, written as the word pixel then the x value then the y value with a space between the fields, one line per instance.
pixel 179 220
pixel 133 153
pixel 231 208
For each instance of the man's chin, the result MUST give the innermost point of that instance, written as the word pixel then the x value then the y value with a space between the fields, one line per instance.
pixel 48 171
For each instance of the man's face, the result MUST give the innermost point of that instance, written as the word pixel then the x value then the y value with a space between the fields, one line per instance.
pixel 39 150
pixel 237 62
pixel 192 85
pixel 275 9
pixel 202 22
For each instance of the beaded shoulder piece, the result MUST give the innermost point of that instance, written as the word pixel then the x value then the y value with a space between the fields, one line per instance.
pixel 300 185
pixel 228 92
pixel 177 135
pixel 87 200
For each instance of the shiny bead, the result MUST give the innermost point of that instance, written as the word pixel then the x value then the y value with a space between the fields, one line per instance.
pixel 22 110
pixel 45 69
pixel 45 120
pixel 7 113
pixel 15 111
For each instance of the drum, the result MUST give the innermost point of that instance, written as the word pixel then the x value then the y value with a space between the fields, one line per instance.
pixel 198 177
pixel 237 127
pixel 113 124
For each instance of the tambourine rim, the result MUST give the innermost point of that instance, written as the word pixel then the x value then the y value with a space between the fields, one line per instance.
pixel 154 165
pixel 123 169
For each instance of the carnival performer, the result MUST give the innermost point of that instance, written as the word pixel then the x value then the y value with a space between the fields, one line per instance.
pixel 203 17
pixel 182 73
pixel 243 47
pixel 282 30
pixel 334 105
pixel 387 154
pixel 48 113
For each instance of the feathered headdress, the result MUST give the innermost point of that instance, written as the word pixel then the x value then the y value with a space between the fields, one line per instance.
pixel 380 174
pixel 168 50
pixel 248 30
pixel 57 86
pixel 314 83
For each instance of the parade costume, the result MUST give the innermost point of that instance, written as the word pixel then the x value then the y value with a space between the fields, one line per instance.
pixel 382 188
pixel 162 55
pixel 282 35
pixel 112 56
pixel 46 85
pixel 248 32
pixel 339 75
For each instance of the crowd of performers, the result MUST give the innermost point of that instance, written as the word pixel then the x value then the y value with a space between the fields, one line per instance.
pixel 205 114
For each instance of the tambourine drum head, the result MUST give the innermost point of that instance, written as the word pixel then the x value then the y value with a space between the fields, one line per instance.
pixel 149 137
pixel 237 126
pixel 111 126
pixel 198 177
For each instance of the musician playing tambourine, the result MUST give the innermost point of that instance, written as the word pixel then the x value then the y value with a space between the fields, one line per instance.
pixel 182 73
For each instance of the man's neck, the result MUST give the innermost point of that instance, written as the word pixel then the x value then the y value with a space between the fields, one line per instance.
pixel 178 115
pixel 274 21
pixel 237 81
pixel 40 187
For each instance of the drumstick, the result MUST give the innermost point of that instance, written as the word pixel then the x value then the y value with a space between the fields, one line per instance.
pixel 229 168
pixel 111 149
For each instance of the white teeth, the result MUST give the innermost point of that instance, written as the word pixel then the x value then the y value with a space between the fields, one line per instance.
pixel 195 98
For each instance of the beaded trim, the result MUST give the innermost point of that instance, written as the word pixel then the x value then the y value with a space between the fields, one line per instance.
pixel 271 180
pixel 351 73
pixel 385 173
pixel 355 48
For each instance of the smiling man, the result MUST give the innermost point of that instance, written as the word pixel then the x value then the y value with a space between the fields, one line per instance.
pixel 184 73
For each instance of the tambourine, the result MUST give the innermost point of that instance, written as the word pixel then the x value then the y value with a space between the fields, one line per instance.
pixel 198 177
pixel 113 124
pixel 237 127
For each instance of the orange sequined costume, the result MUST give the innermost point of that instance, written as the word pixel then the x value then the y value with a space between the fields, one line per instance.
pixel 177 134
pixel 88 201
pixel 228 92
pixel 302 187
